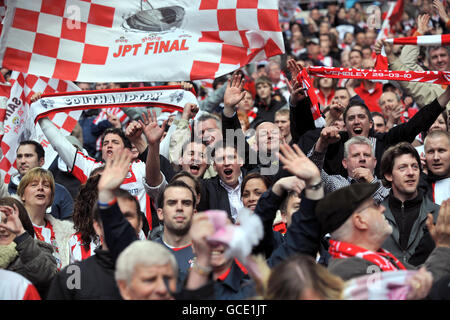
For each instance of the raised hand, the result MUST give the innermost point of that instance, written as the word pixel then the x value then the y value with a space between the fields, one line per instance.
pixel 115 171
pixel 287 184
pixel 11 220
pixel 114 120
pixel 441 231
pixel 133 131
pixel 336 109
pixel 297 92
pixel 189 111
pixel 378 46
pixel 422 23
pixel 186 85
pixel 295 161
pixel 328 135
pixel 153 132
pixel 35 97
pixel 200 230
pixel 441 10
pixel 234 93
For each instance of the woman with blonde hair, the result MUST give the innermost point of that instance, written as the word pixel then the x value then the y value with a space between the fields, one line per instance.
pixel 37 190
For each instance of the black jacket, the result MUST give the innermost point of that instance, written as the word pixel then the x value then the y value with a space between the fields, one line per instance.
pixel 119 234
pixel 421 121
pixel 96 280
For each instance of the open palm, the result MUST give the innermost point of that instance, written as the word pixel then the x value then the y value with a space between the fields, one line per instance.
pixel 295 161
pixel 153 132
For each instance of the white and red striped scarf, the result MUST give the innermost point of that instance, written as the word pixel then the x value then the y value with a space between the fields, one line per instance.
pixel 381 258
pixel 431 40
pixel 46 234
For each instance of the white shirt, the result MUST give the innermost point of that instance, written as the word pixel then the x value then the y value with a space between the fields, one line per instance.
pixel 234 197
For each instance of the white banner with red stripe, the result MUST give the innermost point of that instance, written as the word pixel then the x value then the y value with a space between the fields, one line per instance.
pixel 17 115
pixel 121 41
pixel 169 97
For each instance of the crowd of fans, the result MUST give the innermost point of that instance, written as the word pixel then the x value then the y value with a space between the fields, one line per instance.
pixel 129 201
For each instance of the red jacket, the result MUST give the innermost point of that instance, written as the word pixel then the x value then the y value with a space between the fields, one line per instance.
pixel 370 99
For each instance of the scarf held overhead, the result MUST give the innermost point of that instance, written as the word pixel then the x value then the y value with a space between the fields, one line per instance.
pixel 435 77
pixel 169 97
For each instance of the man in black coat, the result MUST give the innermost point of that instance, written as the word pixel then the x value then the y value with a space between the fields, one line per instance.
pixel 93 278
pixel 358 121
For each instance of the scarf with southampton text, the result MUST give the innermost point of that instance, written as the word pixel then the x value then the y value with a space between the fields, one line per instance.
pixel 382 258
pixel 169 97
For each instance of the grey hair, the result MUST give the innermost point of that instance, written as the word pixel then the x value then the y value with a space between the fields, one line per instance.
pixel 397 96
pixel 143 252
pixel 433 48
pixel 208 116
pixel 357 140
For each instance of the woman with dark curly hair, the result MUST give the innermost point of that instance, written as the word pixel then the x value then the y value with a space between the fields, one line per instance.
pixel 84 241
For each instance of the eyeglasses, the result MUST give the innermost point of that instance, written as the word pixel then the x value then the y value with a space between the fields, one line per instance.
pixel 375 204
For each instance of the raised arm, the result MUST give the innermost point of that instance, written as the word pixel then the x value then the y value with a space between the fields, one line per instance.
pixel 118 231
pixel 153 133
pixel 303 235
pixel 267 206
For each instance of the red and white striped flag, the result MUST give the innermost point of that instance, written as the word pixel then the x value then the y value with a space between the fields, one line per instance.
pixel 17 126
pixel 120 41
pixel 431 40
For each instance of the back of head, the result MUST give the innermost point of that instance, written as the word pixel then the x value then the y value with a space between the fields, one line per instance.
pixel 301 278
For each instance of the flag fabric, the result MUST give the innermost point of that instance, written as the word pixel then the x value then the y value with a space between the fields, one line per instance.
pixel 397 12
pixel 386 26
pixel 306 82
pixel 432 40
pixel 129 41
pixel 17 114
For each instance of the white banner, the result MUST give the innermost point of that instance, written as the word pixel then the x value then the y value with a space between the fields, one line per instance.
pixel 138 40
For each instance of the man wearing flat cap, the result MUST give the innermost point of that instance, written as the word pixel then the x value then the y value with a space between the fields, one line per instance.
pixel 358 229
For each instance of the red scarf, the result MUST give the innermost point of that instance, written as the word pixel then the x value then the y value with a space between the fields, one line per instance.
pixel 381 258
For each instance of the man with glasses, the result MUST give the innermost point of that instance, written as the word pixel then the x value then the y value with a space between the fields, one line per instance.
pixel 406 206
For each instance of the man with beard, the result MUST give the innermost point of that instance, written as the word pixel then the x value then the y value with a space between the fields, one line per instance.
pixel 176 207
pixel 406 206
